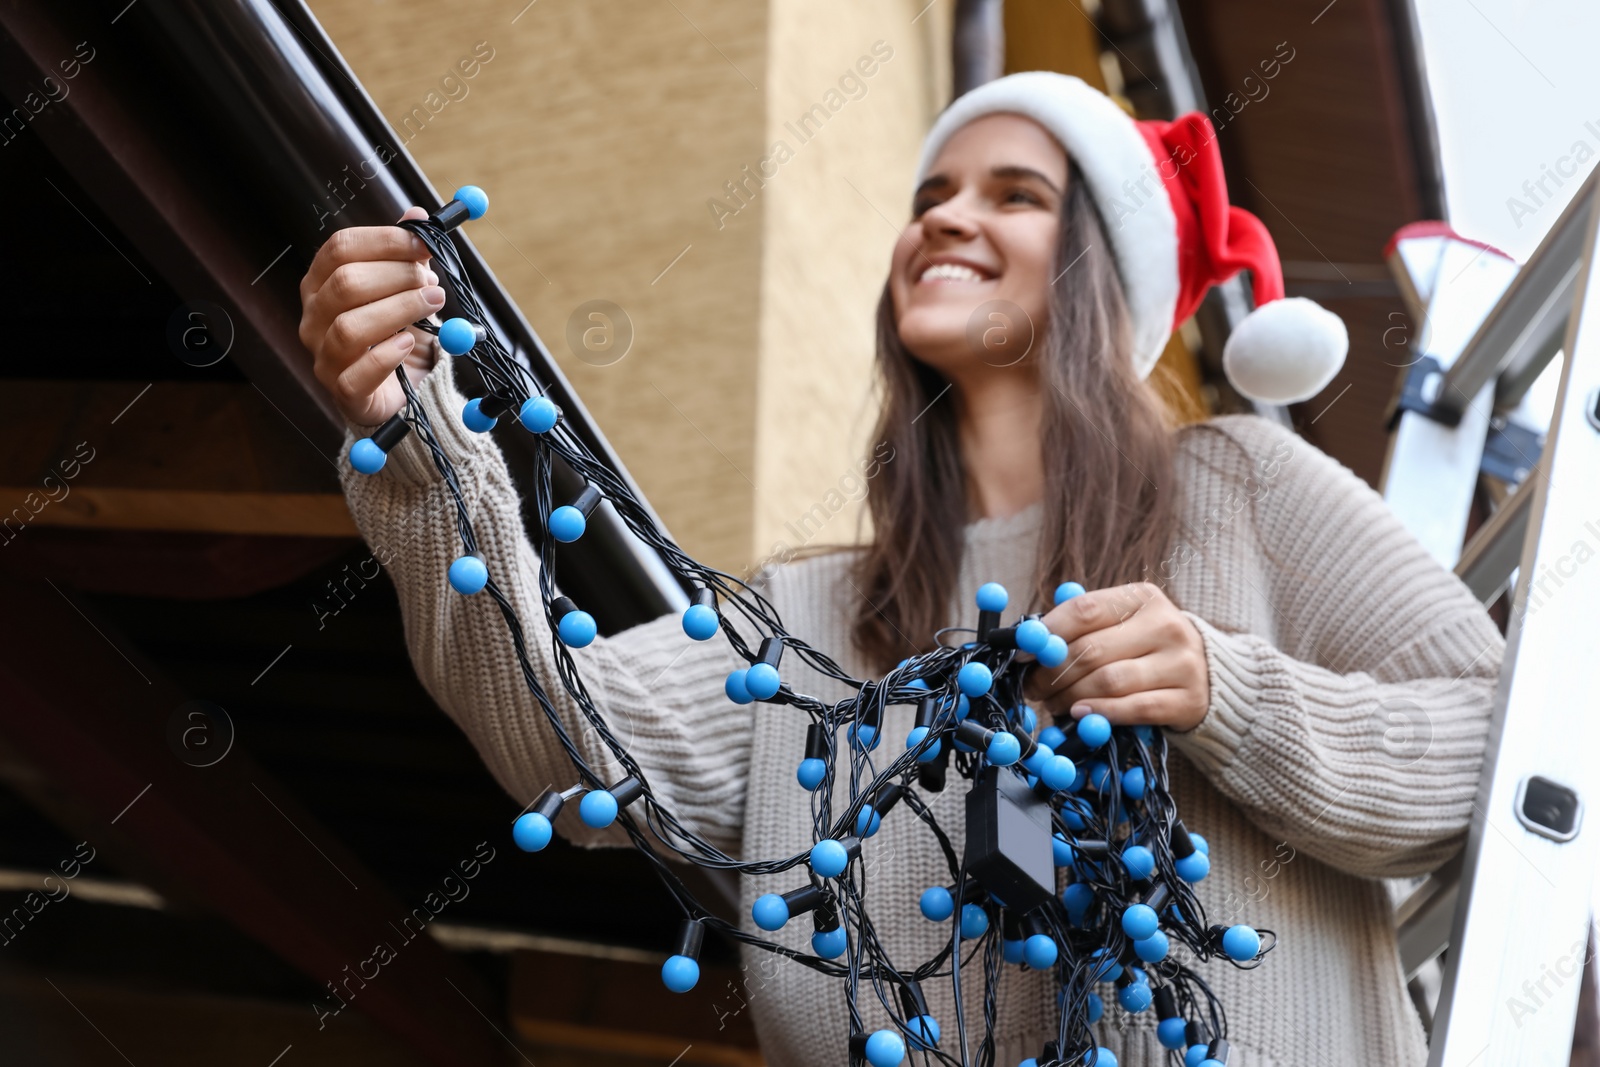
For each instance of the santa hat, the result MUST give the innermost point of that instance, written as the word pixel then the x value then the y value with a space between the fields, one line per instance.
pixel 1160 189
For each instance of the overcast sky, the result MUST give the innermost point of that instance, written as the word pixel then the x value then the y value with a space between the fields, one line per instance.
pixel 1516 91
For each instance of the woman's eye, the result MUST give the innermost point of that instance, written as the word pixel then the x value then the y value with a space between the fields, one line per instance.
pixel 1021 196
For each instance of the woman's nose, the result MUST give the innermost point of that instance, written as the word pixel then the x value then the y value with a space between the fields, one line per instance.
pixel 949 218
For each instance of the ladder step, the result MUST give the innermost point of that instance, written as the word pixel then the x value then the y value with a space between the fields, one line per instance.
pixel 1422 920
pixel 1496 549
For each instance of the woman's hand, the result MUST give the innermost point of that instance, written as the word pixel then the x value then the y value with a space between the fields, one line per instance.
pixel 1132 656
pixel 365 287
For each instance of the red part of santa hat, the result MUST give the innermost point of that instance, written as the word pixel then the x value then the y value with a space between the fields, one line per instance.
pixel 1170 249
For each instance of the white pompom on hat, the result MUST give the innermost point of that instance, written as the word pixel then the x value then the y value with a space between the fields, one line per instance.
pixel 1160 190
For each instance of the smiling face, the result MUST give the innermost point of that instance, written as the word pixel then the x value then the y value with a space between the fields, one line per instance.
pixel 984 228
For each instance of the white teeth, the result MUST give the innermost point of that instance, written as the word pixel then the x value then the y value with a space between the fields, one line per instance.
pixel 954 272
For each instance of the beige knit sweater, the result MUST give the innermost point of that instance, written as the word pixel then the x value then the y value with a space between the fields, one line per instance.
pixel 1351 682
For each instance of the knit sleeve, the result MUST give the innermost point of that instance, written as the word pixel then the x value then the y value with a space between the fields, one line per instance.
pixel 1356 731
pixel 659 692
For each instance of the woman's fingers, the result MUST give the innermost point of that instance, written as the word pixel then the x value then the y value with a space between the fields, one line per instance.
pixel 362 383
pixel 354 331
pixel 1123 677
pixel 353 285
pixel 360 244
pixel 1093 651
pixel 1153 707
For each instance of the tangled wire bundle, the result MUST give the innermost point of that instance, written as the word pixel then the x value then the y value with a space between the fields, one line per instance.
pixel 1083 795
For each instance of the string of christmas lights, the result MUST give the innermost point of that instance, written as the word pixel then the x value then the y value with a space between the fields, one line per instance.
pixel 1081 796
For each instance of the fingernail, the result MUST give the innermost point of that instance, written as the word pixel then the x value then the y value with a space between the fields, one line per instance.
pixel 406 341
pixel 433 279
pixel 433 296
pixel 1078 711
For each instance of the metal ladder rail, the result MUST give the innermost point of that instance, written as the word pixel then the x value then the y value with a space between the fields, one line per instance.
pixel 1522 906
pixel 1522 325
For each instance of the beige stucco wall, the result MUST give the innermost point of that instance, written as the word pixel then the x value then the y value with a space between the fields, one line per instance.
pixel 602 131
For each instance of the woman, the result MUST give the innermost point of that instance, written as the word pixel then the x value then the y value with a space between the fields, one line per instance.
pixel 1284 650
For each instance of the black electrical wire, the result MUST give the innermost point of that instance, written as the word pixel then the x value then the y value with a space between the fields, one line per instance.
pixel 1096 818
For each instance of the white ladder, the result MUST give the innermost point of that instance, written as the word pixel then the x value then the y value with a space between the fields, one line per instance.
pixel 1515 908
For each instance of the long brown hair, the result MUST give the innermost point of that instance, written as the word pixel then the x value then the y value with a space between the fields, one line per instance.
pixel 1107 441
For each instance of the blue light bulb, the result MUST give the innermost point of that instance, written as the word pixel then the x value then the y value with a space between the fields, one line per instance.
pixel 1058 773
pixel 1011 951
pixel 1134 998
pixel 538 414
pixel 457 336
pixel 1105 968
pixel 829 858
pixel 1103 1057
pixel 1094 729
pixel 1040 951
pixel 1054 652
pixel 680 973
pixel 1241 943
pixel 1067 590
pixel 700 622
pixel 974 679
pixel 1004 748
pixel 1032 636
pixel 1139 862
pixel 1152 949
pixel 531 831
pixel 734 687
pixel 937 903
pixel 1170 1032
pixel 770 912
pixel 1193 867
pixel 867 822
pixel 924 1031
pixel 915 738
pixel 864 736
pixel 367 457
pixel 992 596
pixel 1200 843
pixel 1053 736
pixel 468 575
pixel 829 944
pixel 1133 783
pixel 811 772
pixel 885 1048
pixel 473 418
pixel 598 809
pixel 1099 776
pixel 1194 1055
pixel 1060 851
pixel 1074 810
pixel 974 921
pixel 1035 763
pixel 1140 921
pixel 762 680
pixel 567 524
pixel 1097 1007
pixel 474 199
pixel 1026 719
pixel 577 629
pixel 1077 898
